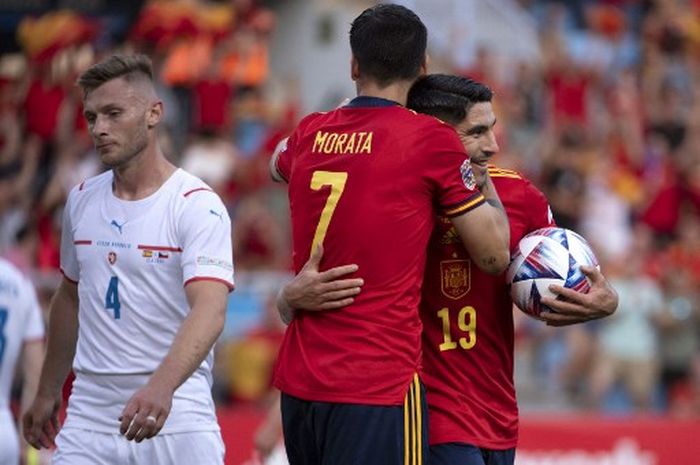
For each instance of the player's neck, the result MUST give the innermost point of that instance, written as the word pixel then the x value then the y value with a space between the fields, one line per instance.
pixel 142 176
pixel 397 91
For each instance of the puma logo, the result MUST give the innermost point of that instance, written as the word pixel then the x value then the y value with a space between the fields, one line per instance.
pixel 117 225
pixel 220 215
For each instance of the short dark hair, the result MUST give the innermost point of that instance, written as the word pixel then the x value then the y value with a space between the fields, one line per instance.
pixel 389 42
pixel 129 67
pixel 447 97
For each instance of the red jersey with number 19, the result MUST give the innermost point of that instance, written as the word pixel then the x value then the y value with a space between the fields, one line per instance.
pixel 468 329
pixel 365 181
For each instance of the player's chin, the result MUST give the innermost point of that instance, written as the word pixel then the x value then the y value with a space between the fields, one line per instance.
pixel 479 166
pixel 109 158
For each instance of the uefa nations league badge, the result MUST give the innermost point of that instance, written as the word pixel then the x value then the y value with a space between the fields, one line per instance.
pixel 467 175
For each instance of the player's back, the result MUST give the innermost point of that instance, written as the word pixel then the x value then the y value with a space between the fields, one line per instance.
pixel 364 181
pixel 20 321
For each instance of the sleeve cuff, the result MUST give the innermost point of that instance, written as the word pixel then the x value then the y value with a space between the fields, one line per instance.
pixel 231 286
pixel 465 206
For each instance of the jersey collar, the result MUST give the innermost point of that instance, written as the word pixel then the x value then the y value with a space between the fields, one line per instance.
pixel 367 101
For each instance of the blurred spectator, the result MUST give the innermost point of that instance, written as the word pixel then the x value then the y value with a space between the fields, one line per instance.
pixel 212 158
pixel 258 240
pixel 628 346
pixel 679 326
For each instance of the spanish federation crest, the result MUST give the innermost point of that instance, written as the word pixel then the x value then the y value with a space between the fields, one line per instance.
pixel 455 278
pixel 467 175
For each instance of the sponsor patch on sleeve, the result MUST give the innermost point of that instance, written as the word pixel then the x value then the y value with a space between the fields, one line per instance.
pixel 212 261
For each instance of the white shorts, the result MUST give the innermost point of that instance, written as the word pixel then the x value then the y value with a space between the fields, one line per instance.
pixel 76 446
pixel 9 441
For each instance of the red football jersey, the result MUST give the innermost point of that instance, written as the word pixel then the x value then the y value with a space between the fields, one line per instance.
pixel 468 329
pixel 365 181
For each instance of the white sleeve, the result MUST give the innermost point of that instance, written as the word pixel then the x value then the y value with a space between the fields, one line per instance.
pixel 205 237
pixel 34 327
pixel 69 258
pixel 274 170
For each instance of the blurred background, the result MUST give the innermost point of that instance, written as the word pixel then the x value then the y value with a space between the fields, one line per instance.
pixel 598 102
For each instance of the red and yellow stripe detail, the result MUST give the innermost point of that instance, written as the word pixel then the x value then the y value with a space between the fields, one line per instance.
pixel 496 172
pixel 471 203
pixel 413 424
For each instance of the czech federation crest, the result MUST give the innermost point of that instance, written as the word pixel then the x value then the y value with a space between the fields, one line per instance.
pixel 455 278
pixel 467 175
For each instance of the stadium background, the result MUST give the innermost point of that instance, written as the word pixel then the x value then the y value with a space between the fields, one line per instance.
pixel 597 101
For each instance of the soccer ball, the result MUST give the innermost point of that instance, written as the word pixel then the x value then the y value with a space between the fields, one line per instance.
pixel 543 257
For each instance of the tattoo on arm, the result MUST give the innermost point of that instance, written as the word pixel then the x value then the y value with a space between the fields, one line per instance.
pixel 496 204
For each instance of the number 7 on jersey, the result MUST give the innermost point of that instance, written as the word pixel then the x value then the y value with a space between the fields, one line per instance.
pixel 337 182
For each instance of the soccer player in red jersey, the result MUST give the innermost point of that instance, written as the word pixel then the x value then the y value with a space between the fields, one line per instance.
pixel 467 314
pixel 366 181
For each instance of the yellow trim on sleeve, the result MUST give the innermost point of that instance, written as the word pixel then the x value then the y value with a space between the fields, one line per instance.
pixel 465 206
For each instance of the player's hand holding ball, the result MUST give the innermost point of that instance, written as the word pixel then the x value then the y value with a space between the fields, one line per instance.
pixel 554 276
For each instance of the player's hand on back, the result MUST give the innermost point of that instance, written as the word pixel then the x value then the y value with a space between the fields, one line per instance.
pixel 40 423
pixel 145 413
pixel 316 290
pixel 577 307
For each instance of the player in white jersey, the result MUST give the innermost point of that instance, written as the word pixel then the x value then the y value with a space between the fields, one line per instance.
pixel 21 335
pixel 147 261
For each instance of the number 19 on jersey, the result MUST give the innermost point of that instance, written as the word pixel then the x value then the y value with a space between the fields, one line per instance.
pixel 466 322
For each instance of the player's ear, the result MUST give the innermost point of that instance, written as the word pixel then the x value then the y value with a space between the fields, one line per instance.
pixel 155 114
pixel 424 65
pixel 354 69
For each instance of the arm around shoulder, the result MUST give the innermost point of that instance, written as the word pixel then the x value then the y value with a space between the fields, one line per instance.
pixel 485 232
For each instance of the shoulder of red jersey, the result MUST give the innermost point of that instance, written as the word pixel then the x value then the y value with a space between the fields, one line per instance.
pixel 311 118
pixel 519 193
pixel 428 121
pixel 503 173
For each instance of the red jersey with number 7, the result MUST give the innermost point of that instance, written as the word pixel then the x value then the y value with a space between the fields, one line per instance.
pixel 468 329
pixel 366 180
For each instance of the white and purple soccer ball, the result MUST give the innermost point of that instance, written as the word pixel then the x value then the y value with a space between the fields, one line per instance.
pixel 543 257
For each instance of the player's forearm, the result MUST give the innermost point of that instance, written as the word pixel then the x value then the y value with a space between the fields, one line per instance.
pixel 62 338
pixel 285 310
pixel 32 355
pixel 193 341
pixel 485 232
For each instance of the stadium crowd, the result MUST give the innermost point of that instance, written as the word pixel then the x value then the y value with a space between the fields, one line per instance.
pixel 606 122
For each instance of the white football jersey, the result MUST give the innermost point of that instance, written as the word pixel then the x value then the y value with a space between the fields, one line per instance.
pixel 132 261
pixel 20 322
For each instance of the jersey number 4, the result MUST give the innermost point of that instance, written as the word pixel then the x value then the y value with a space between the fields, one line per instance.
pixel 112 297
pixel 337 182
